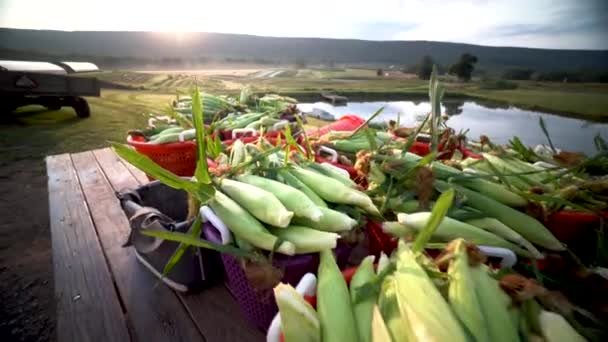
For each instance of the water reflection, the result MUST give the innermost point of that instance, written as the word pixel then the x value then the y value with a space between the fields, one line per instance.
pixel 499 121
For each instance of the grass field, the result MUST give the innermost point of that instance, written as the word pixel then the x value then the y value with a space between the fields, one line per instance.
pixel 579 100
pixel 33 132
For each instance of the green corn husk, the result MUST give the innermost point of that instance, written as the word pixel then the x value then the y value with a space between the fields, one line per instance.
pixel 492 301
pixel 294 182
pixel 383 262
pixel 397 326
pixel 307 240
pixel 330 221
pixel 363 308
pixel 494 226
pixel 555 328
pixel 421 305
pixel 526 226
pixel 380 332
pixel 260 203
pixel 333 191
pixel 293 199
pixel 450 229
pixel 299 320
pixel 329 171
pixel 333 302
pixel 462 293
pixel 241 223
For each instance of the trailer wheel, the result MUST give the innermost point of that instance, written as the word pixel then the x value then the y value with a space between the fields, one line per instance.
pixel 81 107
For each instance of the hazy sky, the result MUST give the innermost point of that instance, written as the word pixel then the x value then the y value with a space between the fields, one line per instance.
pixel 572 24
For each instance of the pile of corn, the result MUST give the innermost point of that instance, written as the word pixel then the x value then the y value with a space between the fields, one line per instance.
pixel 292 204
pixel 415 302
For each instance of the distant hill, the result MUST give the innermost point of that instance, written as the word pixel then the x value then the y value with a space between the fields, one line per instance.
pixel 139 47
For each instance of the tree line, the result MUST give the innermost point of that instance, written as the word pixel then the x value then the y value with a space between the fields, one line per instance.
pixel 463 69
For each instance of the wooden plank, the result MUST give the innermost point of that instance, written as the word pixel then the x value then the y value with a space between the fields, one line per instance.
pixel 88 308
pixel 219 317
pixel 214 310
pixel 114 169
pixel 154 310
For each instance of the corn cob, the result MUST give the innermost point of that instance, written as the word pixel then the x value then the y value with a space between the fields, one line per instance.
pixel 333 302
pixel 428 315
pixel 330 221
pixel 528 227
pixel 450 229
pixel 294 182
pixel 260 203
pixel 241 223
pixel 299 321
pixel 307 240
pixel 293 199
pixel 462 293
pixel 333 191
pixel 363 307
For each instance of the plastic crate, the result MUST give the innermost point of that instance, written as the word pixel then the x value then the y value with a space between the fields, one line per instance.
pixel 259 305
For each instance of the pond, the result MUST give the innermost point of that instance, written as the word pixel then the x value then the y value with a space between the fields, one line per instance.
pixel 499 122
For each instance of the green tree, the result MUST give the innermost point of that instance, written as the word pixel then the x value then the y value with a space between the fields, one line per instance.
pixel 425 68
pixel 464 67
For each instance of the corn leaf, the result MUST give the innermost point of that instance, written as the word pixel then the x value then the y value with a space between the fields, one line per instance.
pixel 378 112
pixel 188 239
pixel 443 204
pixel 152 169
pixel 600 143
pixel 308 147
pixel 412 139
pixel 541 122
pixel 202 172
pixel 195 231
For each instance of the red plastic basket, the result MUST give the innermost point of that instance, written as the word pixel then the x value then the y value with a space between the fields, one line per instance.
pixel 348 122
pixel 179 157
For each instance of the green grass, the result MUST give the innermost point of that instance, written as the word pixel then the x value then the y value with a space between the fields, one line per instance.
pixel 33 132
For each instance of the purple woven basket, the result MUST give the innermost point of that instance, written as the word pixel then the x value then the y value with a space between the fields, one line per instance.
pixel 259 305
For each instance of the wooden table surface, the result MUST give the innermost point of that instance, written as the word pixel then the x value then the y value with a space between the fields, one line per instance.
pixel 102 292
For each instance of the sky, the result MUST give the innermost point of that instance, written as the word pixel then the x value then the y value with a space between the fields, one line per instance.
pixel 561 24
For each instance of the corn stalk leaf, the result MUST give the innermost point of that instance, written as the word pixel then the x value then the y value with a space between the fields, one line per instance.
pixel 152 169
pixel 541 122
pixel 441 208
pixel 306 141
pixel 202 172
pixel 189 240
pixel 600 143
pixel 378 112
pixel 195 231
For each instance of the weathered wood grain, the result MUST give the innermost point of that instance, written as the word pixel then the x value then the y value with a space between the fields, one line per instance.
pixel 153 309
pixel 215 312
pixel 88 308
